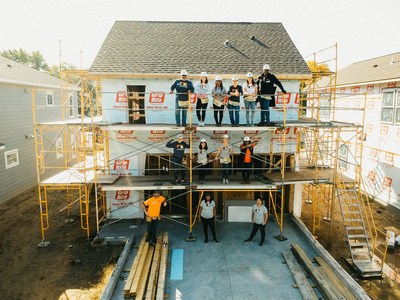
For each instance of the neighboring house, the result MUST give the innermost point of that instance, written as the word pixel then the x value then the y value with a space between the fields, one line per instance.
pixel 375 82
pixel 141 59
pixel 17 155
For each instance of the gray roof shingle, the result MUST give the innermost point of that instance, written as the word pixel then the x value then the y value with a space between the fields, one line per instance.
pixel 14 72
pixel 148 47
pixel 372 70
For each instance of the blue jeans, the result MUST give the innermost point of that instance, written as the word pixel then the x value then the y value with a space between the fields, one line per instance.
pixel 178 110
pixel 264 104
pixel 234 113
pixel 250 105
pixel 225 171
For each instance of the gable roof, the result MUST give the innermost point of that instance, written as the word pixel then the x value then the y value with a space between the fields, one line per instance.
pixel 147 47
pixel 17 73
pixel 383 68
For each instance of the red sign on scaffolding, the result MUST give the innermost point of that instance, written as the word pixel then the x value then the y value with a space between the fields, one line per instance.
pixel 122 195
pixel 157 97
pixel 283 98
pixel 122 96
pixel 121 164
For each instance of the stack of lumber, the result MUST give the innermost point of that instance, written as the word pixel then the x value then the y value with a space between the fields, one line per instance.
pixel 328 283
pixel 147 275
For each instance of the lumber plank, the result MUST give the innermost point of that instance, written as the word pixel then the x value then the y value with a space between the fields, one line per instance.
pixel 136 278
pixel 163 268
pixel 325 286
pixel 155 264
pixel 303 285
pixel 334 279
pixel 132 271
pixel 145 275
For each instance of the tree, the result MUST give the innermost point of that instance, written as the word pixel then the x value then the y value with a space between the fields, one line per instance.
pixel 318 68
pixel 54 70
pixel 34 60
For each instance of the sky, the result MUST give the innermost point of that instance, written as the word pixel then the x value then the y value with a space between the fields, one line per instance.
pixel 362 29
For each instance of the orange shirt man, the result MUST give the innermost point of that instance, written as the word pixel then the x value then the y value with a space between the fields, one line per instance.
pixel 152 208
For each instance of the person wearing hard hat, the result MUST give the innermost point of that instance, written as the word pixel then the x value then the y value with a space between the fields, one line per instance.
pixel 218 93
pixel 201 90
pixel 266 90
pixel 246 158
pixel 234 93
pixel 202 160
pixel 152 208
pixel 178 164
pixel 249 97
pixel 224 153
pixel 183 89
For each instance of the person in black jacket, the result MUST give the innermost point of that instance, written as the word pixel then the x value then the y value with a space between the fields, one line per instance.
pixel 246 158
pixel 266 92
pixel 177 158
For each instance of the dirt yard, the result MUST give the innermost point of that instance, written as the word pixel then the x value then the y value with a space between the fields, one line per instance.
pixel 69 268
pixel 384 217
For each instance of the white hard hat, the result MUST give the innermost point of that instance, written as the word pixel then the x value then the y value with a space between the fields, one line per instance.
pixel 184 73
pixel 249 75
pixel 266 67
pixel 234 78
pixel 246 139
pixel 204 74
pixel 180 136
pixel 225 136
pixel 218 78
pixel 203 140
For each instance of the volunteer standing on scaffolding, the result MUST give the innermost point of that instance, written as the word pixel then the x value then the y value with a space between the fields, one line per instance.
pixel 224 153
pixel 201 90
pixel 234 93
pixel 246 158
pixel 178 164
pixel 183 89
pixel 249 97
pixel 266 91
pixel 218 93
pixel 202 160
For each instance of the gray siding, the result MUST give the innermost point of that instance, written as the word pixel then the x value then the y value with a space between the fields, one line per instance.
pixel 16 121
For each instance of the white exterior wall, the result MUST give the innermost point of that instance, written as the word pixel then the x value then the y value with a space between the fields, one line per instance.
pixel 381 152
pixel 128 148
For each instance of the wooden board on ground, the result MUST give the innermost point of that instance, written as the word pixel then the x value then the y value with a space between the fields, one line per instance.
pixel 132 272
pixel 304 286
pixel 155 265
pixel 144 275
pixel 135 282
pixel 325 286
pixel 334 279
pixel 163 268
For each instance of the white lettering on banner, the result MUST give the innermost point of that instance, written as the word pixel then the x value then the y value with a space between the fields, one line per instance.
pixel 121 164
pixel 157 97
pixel 125 136
pixel 157 131
pixel 246 132
pixel 122 195
pixel 282 98
pixel 220 132
pixel 121 100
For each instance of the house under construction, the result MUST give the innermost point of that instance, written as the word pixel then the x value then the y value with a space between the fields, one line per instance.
pixel 115 154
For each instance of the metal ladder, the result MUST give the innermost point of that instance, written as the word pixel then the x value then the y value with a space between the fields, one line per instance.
pixel 357 235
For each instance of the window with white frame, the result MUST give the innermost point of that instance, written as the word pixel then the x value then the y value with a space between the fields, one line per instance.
pixel 391 107
pixel 343 156
pixel 49 99
pixel 11 158
pixel 71 104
